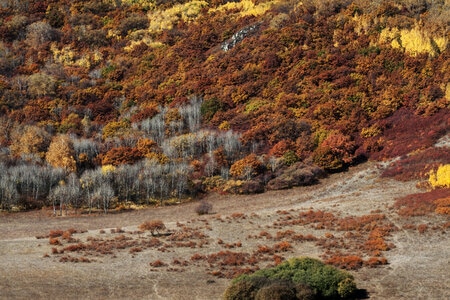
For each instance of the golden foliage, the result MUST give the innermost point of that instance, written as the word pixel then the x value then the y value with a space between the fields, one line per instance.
pixel 116 129
pixel 61 153
pixel 34 140
pixel 146 146
pixel 164 19
pixel 69 57
pixel 441 177
pixel 106 169
pixel 144 4
pixel 415 40
pixel 225 125
pixel 371 131
pixel 247 167
pixel 247 7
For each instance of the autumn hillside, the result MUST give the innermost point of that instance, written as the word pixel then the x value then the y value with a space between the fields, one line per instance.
pixel 112 102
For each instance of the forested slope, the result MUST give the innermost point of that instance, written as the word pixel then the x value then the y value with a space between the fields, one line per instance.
pixel 109 102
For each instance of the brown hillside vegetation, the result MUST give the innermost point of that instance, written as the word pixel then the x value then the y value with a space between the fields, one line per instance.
pixel 158 97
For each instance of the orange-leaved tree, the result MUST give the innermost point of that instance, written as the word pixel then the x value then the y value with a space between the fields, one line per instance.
pixel 247 167
pixel 335 152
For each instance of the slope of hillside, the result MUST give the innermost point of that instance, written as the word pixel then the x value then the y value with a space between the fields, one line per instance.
pixel 202 252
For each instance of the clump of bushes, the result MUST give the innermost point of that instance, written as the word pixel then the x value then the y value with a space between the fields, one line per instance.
pixel 298 174
pixel 298 278
pixel 240 187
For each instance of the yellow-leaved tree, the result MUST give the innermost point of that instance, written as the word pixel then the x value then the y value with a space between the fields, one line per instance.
pixel 61 153
pixel 32 140
pixel 440 177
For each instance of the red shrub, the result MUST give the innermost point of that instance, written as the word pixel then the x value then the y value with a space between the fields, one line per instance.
pixel 277 259
pixel 238 215
pixel 228 258
pixel 153 226
pixel 262 249
pixel 135 250
pixel 197 257
pixel 75 247
pixel 284 234
pixel 365 222
pixel 422 228
pixel 265 234
pixel 443 206
pixel 420 204
pixel 282 246
pixel 158 263
pixel 374 244
pixel 348 262
pixel 375 262
pixel 55 233
pixel 54 241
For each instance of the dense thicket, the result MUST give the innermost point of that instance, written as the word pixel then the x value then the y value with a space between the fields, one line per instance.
pixel 152 98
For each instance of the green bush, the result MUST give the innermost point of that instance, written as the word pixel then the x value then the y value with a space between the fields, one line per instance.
pixel 245 287
pixel 298 278
pixel 281 290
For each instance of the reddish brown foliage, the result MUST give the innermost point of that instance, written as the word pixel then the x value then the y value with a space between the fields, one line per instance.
pixel 55 233
pixel 420 204
pixel 121 155
pixel 442 206
pixel 282 246
pixel 197 257
pixel 418 165
pixel 75 248
pixel 373 262
pixel 422 228
pixel 154 226
pixel 54 241
pixel 158 264
pixel 405 132
pixel 228 258
pixel 365 223
pixel 348 262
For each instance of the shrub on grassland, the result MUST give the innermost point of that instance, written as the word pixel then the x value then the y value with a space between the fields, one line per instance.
pixel 153 226
pixel 323 281
pixel 203 208
pixel 299 174
pixel 442 206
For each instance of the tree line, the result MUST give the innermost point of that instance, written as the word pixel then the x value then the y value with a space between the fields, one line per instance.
pixel 68 171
